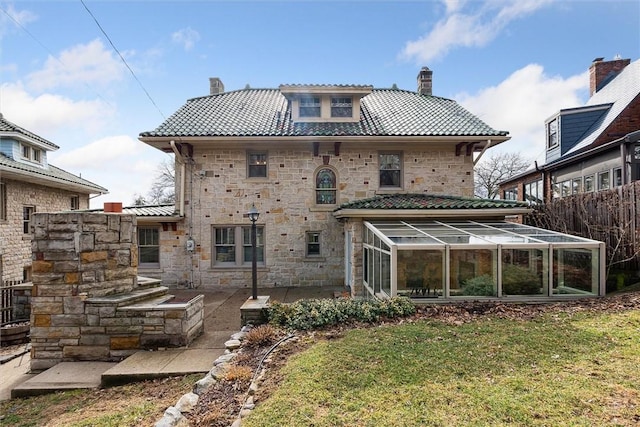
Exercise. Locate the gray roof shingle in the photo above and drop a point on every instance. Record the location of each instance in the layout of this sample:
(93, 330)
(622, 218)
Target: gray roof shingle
(7, 127)
(266, 112)
(51, 174)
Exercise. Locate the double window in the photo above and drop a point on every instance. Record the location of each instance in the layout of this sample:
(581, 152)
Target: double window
(511, 194)
(390, 168)
(533, 192)
(148, 246)
(32, 154)
(257, 164)
(232, 245)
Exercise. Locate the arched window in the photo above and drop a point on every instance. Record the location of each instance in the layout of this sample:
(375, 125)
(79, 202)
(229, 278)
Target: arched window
(326, 187)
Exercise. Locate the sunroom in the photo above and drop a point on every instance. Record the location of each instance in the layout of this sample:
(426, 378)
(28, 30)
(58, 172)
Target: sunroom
(439, 260)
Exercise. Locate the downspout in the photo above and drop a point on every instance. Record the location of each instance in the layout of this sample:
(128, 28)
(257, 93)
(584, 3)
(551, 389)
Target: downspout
(486, 147)
(180, 160)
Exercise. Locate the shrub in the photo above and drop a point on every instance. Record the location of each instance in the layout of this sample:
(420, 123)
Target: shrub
(262, 335)
(518, 280)
(318, 313)
(238, 373)
(479, 286)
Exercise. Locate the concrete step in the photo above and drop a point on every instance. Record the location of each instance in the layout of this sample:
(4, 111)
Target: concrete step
(129, 298)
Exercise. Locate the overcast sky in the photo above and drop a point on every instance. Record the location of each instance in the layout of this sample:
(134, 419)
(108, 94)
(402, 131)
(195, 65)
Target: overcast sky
(513, 63)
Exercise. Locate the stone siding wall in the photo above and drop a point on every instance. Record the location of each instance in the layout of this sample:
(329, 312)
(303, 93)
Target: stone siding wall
(15, 250)
(76, 256)
(218, 193)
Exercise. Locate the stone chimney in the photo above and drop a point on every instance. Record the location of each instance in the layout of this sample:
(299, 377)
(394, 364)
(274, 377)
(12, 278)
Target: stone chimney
(425, 81)
(602, 72)
(215, 86)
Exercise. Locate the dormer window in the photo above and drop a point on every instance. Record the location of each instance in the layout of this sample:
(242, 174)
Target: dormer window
(309, 106)
(341, 107)
(552, 133)
(32, 154)
(325, 103)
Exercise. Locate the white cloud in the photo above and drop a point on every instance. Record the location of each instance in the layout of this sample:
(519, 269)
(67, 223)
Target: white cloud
(49, 113)
(120, 163)
(187, 37)
(16, 18)
(467, 25)
(521, 104)
(90, 64)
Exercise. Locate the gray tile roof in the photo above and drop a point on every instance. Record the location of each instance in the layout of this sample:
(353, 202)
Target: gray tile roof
(429, 201)
(7, 127)
(266, 112)
(51, 176)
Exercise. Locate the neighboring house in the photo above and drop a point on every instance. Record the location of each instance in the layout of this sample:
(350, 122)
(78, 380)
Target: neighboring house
(354, 185)
(590, 148)
(29, 184)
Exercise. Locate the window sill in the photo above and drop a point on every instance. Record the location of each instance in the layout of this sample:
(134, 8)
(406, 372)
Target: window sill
(27, 237)
(257, 179)
(237, 268)
(314, 259)
(389, 190)
(321, 208)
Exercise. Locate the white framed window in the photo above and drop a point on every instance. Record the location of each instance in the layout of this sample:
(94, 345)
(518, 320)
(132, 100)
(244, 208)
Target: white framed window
(32, 154)
(309, 106)
(576, 185)
(3, 201)
(27, 216)
(617, 177)
(390, 168)
(552, 133)
(603, 181)
(232, 245)
(588, 184)
(312, 239)
(149, 246)
(257, 164)
(565, 188)
(533, 192)
(75, 203)
(341, 106)
(326, 181)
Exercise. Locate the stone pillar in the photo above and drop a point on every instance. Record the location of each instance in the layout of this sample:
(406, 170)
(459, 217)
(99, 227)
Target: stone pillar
(77, 256)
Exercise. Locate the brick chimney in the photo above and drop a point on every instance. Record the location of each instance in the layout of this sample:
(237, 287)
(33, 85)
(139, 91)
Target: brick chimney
(215, 86)
(602, 72)
(425, 81)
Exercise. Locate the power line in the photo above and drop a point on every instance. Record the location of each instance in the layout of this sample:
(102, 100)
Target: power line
(124, 61)
(55, 58)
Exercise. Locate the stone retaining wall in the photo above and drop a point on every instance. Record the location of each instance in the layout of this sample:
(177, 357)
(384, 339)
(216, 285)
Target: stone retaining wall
(87, 303)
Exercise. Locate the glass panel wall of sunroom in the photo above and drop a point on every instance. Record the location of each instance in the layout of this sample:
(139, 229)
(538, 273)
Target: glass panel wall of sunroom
(469, 259)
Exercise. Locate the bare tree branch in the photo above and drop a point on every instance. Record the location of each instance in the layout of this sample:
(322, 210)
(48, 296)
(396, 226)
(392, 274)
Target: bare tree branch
(496, 168)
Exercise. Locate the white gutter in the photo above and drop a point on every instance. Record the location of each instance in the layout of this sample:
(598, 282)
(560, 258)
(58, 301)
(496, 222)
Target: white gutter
(486, 147)
(180, 160)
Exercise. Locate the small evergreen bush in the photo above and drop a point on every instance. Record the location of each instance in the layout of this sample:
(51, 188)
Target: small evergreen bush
(319, 313)
(479, 286)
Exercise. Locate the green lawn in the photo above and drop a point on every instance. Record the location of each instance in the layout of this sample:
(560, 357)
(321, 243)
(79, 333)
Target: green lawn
(559, 370)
